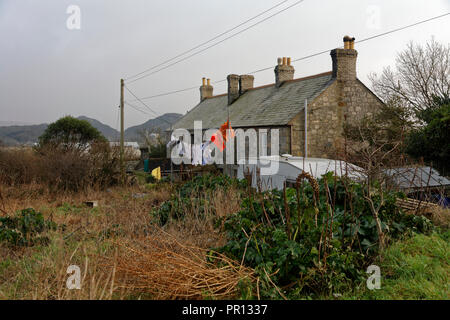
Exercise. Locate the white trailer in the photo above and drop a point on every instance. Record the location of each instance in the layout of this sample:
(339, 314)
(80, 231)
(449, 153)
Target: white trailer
(273, 172)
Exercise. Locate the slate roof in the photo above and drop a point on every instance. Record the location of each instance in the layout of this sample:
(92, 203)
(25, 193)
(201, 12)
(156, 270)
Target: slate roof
(416, 177)
(260, 106)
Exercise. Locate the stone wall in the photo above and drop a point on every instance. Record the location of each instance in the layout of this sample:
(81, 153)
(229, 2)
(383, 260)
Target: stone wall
(284, 141)
(341, 101)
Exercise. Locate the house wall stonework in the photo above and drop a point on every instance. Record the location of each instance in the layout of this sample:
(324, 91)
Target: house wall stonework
(284, 145)
(342, 101)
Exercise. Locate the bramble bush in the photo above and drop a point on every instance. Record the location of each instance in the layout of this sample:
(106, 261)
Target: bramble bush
(25, 229)
(312, 243)
(194, 194)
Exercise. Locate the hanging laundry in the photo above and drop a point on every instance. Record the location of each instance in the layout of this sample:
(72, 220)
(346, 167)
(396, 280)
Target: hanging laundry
(176, 144)
(196, 154)
(220, 137)
(185, 150)
(207, 148)
(173, 141)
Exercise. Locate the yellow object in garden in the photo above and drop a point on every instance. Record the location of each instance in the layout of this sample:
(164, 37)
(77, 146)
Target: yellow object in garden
(157, 173)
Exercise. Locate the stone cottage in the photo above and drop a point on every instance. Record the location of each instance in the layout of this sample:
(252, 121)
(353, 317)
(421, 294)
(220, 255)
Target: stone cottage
(330, 98)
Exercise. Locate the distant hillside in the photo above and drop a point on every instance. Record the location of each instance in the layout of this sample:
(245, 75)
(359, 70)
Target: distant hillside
(160, 123)
(29, 134)
(16, 123)
(108, 132)
(18, 135)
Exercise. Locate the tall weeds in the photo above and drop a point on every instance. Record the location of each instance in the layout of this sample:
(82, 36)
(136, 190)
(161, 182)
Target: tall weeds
(60, 170)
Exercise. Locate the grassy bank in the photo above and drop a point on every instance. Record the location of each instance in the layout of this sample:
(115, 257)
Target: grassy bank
(414, 268)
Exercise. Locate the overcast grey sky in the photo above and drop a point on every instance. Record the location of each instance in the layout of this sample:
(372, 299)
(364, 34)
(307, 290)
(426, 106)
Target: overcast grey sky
(48, 71)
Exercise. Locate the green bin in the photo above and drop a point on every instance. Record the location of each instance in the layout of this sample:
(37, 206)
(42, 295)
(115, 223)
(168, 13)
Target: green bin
(146, 165)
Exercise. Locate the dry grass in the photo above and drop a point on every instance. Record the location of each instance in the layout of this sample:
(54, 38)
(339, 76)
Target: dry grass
(120, 253)
(40, 272)
(438, 215)
(200, 231)
(441, 217)
(165, 268)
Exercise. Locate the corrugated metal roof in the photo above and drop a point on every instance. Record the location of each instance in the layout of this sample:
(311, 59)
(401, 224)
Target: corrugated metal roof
(263, 106)
(416, 177)
(319, 166)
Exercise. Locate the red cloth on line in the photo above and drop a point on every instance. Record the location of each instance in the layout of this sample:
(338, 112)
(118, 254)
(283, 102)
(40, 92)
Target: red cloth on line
(220, 137)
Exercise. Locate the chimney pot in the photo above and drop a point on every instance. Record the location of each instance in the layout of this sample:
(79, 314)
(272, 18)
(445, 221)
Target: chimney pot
(347, 40)
(289, 61)
(208, 81)
(206, 90)
(283, 72)
(279, 61)
(352, 44)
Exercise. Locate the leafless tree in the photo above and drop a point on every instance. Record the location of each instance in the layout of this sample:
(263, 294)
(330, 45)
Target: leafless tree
(149, 137)
(155, 141)
(370, 146)
(376, 142)
(421, 73)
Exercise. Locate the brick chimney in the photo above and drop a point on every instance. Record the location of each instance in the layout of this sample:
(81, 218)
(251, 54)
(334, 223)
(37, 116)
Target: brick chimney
(245, 83)
(233, 88)
(206, 90)
(283, 71)
(344, 61)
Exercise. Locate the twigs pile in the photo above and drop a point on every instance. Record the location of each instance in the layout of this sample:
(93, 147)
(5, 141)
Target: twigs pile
(164, 268)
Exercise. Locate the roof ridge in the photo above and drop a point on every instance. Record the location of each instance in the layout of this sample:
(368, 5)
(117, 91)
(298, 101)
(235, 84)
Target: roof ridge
(272, 84)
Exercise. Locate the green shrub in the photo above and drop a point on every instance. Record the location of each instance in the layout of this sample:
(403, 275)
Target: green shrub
(25, 229)
(150, 179)
(313, 247)
(195, 193)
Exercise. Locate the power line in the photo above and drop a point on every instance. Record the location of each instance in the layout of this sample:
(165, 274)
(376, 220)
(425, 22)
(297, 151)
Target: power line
(304, 57)
(137, 98)
(402, 28)
(359, 41)
(170, 92)
(203, 43)
(217, 43)
(136, 108)
(143, 103)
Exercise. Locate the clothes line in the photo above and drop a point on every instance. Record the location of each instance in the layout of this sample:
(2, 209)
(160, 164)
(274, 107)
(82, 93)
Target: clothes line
(200, 154)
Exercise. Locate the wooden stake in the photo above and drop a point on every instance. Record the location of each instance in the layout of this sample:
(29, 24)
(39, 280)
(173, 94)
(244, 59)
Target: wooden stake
(122, 162)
